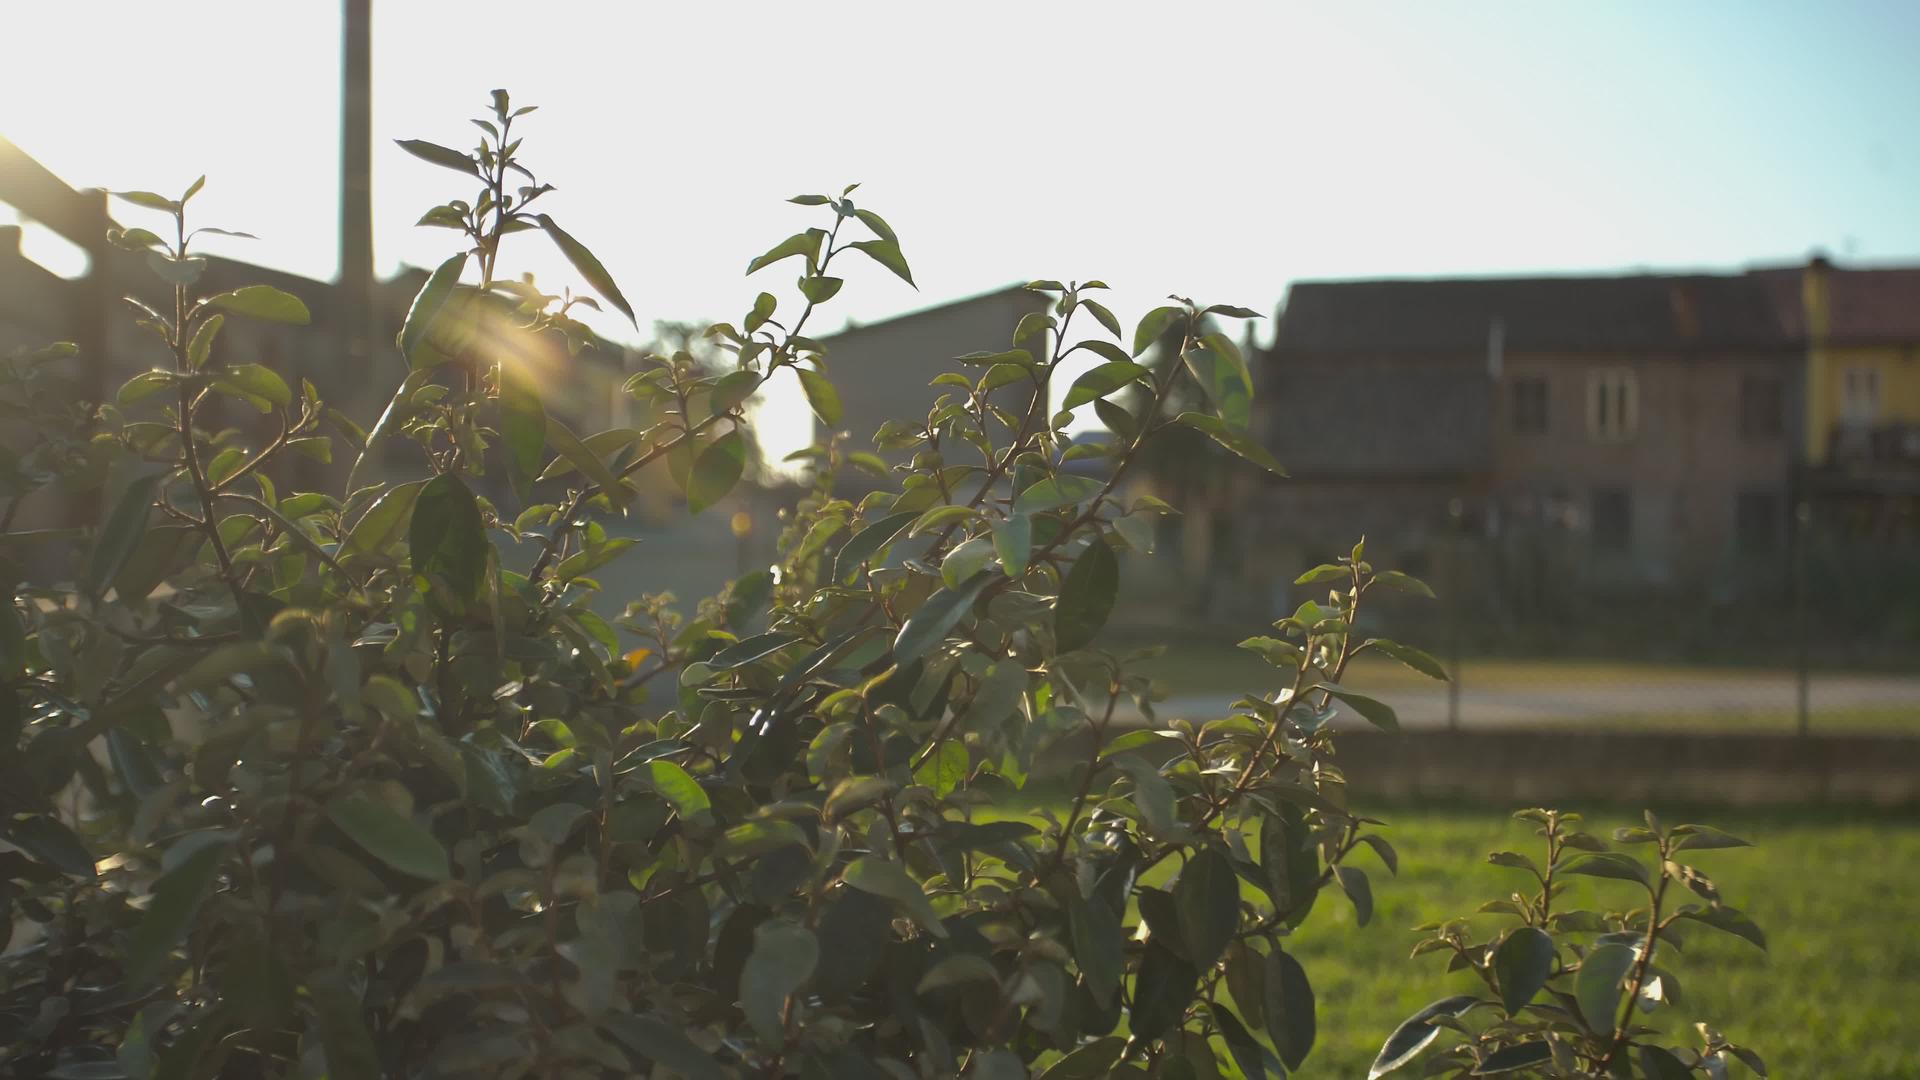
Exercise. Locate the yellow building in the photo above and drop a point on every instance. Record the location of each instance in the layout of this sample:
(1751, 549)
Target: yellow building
(1862, 390)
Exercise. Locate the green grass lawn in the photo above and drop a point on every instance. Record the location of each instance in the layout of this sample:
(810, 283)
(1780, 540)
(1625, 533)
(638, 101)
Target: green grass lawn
(1835, 995)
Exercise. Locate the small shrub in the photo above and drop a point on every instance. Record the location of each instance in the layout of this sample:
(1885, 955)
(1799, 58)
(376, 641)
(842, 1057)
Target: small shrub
(356, 783)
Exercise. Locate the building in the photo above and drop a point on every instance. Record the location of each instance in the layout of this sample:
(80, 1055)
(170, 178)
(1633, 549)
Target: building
(1860, 329)
(883, 369)
(1641, 424)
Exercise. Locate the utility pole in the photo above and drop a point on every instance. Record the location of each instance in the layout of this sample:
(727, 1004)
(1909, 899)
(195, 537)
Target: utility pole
(356, 186)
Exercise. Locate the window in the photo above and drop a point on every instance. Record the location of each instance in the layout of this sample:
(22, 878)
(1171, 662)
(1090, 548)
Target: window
(1613, 404)
(1528, 405)
(1612, 519)
(1860, 395)
(1756, 522)
(1762, 411)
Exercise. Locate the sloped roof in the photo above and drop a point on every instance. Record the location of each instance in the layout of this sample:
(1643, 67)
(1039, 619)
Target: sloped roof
(1864, 305)
(1539, 313)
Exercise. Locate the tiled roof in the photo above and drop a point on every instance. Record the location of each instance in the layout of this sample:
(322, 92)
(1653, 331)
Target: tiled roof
(1864, 305)
(1542, 313)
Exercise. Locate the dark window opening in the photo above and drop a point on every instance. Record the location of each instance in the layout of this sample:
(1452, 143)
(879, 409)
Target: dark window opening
(1612, 519)
(1529, 406)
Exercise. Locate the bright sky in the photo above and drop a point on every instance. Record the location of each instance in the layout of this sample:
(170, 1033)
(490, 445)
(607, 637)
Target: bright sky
(1217, 150)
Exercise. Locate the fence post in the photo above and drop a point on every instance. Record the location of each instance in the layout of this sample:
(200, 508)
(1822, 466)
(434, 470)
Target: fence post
(1802, 517)
(1456, 512)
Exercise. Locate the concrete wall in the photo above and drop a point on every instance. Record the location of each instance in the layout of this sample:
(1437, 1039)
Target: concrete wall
(1568, 768)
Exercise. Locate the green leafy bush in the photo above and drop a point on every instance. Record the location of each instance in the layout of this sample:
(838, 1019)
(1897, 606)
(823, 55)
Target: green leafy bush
(358, 784)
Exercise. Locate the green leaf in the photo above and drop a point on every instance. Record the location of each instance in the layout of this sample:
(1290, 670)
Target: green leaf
(147, 200)
(1237, 442)
(202, 345)
(1399, 582)
(586, 458)
(1013, 543)
(958, 969)
(866, 543)
(763, 309)
(1731, 920)
(1353, 882)
(1247, 1054)
(806, 244)
(716, 470)
(1375, 712)
(1166, 985)
(1245, 973)
(887, 254)
(679, 788)
(389, 837)
(1088, 1061)
(875, 222)
(965, 560)
(1705, 837)
(256, 380)
(349, 1046)
(1231, 311)
(1207, 898)
(1522, 963)
(889, 881)
(47, 839)
(1099, 311)
(523, 425)
(1019, 358)
(819, 290)
(1323, 573)
(929, 623)
(263, 302)
(1414, 658)
(588, 266)
(116, 540)
(443, 156)
(1416, 1032)
(427, 306)
(1223, 376)
(1289, 860)
(1514, 1058)
(1086, 597)
(1053, 492)
(1610, 864)
(143, 386)
(945, 769)
(1289, 1008)
(385, 521)
(162, 551)
(783, 958)
(664, 1044)
(447, 537)
(1030, 324)
(1098, 945)
(1152, 796)
(1152, 325)
(398, 411)
(821, 396)
(1660, 1064)
(1596, 987)
(1100, 381)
